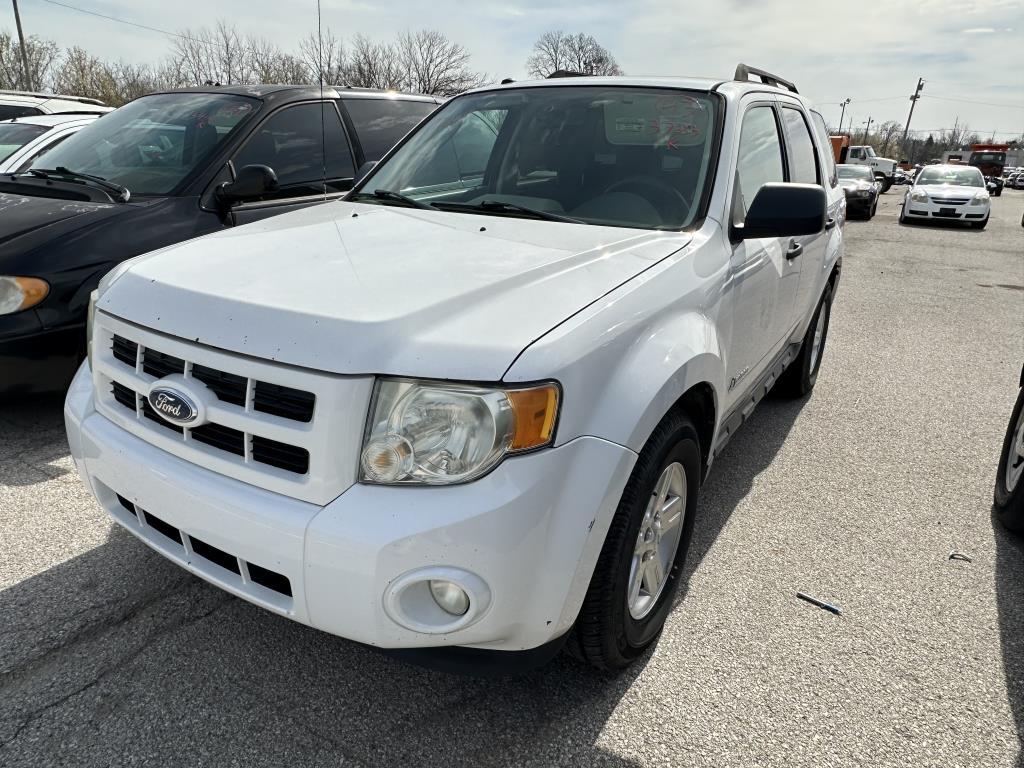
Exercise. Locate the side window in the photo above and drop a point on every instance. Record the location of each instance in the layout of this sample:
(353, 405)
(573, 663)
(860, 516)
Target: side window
(380, 123)
(9, 111)
(760, 155)
(857, 154)
(826, 148)
(803, 162)
(28, 163)
(293, 141)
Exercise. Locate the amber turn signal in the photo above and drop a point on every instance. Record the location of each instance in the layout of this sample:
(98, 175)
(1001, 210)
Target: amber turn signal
(535, 410)
(18, 293)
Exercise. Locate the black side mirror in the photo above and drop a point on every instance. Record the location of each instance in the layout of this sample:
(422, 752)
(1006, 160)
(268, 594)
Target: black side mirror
(364, 169)
(785, 210)
(252, 181)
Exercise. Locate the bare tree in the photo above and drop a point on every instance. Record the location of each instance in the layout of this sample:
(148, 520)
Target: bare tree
(885, 134)
(434, 64)
(374, 65)
(556, 51)
(266, 63)
(42, 55)
(217, 55)
(325, 55)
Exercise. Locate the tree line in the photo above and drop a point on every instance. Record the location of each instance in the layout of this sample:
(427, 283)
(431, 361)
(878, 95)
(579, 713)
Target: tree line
(887, 141)
(425, 61)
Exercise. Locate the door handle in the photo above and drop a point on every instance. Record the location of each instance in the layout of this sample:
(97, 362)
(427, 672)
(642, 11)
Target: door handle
(830, 223)
(794, 250)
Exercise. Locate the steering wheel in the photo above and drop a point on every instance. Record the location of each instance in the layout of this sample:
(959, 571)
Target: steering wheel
(676, 207)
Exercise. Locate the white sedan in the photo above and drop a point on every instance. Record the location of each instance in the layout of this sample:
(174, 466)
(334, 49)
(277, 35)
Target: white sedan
(25, 139)
(948, 193)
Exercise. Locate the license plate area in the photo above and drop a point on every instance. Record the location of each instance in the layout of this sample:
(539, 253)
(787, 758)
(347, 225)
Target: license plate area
(947, 211)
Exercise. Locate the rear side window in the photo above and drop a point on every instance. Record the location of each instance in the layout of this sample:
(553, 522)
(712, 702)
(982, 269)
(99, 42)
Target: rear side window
(803, 166)
(380, 123)
(760, 155)
(14, 136)
(292, 142)
(826, 147)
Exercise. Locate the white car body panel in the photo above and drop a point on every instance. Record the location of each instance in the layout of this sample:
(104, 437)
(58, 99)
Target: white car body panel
(61, 126)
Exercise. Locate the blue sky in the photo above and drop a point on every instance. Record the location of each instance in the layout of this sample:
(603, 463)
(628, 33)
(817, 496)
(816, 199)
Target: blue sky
(969, 53)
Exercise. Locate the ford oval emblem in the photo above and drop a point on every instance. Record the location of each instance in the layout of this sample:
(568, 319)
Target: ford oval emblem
(173, 406)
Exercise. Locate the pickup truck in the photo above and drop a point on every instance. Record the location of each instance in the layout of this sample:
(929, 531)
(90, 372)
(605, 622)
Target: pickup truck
(883, 168)
(464, 415)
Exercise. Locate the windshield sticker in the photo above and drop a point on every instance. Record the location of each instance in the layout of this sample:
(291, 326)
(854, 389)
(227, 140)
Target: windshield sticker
(665, 121)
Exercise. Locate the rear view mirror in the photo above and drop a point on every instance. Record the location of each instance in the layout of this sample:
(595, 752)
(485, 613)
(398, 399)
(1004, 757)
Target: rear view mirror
(785, 210)
(252, 181)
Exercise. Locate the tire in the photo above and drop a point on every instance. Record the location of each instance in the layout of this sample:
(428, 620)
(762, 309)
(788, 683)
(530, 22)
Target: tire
(606, 634)
(903, 213)
(979, 224)
(799, 378)
(886, 184)
(873, 210)
(1009, 502)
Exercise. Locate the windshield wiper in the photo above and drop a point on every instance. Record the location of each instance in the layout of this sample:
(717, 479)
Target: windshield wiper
(499, 206)
(120, 193)
(394, 197)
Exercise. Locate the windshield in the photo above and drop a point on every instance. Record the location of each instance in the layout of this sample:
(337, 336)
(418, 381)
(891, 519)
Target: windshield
(964, 177)
(870, 151)
(619, 156)
(14, 136)
(153, 143)
(861, 172)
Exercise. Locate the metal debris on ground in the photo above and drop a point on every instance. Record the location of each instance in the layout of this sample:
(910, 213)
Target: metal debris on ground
(954, 555)
(820, 603)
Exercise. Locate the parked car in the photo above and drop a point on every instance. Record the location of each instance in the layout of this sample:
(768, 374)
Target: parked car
(901, 177)
(1018, 180)
(1009, 494)
(23, 140)
(25, 104)
(948, 193)
(861, 189)
(162, 169)
(883, 168)
(994, 185)
(467, 412)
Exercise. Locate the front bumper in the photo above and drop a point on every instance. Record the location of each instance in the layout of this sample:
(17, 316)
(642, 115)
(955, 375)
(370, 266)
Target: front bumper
(34, 360)
(530, 531)
(944, 211)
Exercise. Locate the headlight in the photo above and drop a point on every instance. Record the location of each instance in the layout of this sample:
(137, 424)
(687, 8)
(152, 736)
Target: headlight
(918, 196)
(434, 433)
(18, 293)
(862, 193)
(980, 199)
(90, 318)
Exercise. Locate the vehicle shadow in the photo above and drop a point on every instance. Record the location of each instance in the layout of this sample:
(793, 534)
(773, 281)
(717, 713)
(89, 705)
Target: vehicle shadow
(1009, 585)
(733, 473)
(33, 445)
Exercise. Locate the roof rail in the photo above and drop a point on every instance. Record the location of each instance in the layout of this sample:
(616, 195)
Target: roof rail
(564, 73)
(80, 99)
(743, 73)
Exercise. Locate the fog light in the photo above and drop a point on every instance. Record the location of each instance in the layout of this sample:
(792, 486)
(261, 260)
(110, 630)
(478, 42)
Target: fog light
(450, 597)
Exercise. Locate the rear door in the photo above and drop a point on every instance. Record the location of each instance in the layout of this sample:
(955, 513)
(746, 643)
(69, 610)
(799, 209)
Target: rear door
(378, 124)
(309, 150)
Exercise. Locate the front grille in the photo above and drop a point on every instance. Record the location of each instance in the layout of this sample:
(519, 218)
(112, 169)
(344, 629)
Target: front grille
(950, 200)
(231, 388)
(264, 577)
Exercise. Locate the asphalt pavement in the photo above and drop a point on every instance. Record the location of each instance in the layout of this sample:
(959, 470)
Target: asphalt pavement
(112, 656)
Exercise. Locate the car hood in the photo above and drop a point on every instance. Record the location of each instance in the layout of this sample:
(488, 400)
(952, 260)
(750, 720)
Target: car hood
(22, 215)
(354, 288)
(854, 184)
(948, 190)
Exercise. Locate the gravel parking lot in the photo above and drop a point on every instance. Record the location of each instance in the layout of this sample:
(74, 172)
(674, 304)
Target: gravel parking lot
(110, 655)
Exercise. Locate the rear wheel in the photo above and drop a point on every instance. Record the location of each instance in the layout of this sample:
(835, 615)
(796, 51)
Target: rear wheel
(801, 375)
(637, 573)
(886, 183)
(1009, 495)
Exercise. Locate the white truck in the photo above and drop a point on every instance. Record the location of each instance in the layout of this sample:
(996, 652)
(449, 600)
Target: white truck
(883, 168)
(465, 414)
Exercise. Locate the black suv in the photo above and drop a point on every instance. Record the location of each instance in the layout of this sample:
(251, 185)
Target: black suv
(165, 168)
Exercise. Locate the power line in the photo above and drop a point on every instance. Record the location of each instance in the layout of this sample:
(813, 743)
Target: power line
(129, 23)
(973, 101)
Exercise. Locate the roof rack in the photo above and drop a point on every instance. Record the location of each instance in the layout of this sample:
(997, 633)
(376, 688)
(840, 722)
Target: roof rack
(743, 73)
(564, 73)
(48, 96)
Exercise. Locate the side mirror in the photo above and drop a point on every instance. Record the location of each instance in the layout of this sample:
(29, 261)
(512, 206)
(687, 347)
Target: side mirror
(364, 169)
(252, 181)
(785, 210)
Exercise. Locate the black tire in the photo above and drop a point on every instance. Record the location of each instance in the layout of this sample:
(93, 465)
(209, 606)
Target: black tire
(979, 224)
(886, 184)
(873, 210)
(605, 634)
(1010, 504)
(903, 213)
(801, 375)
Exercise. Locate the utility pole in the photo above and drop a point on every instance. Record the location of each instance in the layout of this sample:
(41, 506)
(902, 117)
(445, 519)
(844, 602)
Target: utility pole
(867, 130)
(913, 102)
(842, 114)
(24, 54)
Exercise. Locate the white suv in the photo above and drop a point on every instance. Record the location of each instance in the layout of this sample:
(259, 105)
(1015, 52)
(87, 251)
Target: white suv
(25, 103)
(466, 413)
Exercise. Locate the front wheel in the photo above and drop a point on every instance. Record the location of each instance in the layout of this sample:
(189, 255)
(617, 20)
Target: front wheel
(1009, 495)
(886, 184)
(638, 570)
(802, 374)
(980, 224)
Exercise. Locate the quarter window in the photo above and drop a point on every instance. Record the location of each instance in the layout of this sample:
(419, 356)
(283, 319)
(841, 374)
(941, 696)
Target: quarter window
(760, 155)
(380, 123)
(803, 166)
(302, 150)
